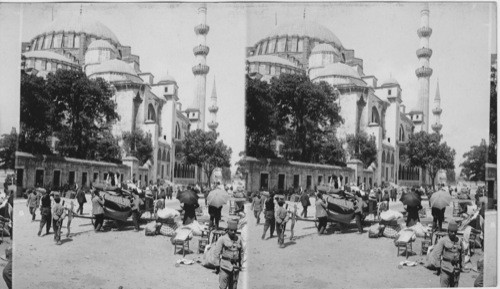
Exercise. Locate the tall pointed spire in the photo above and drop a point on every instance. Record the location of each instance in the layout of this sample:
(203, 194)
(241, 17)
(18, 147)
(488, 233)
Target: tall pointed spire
(213, 124)
(437, 126)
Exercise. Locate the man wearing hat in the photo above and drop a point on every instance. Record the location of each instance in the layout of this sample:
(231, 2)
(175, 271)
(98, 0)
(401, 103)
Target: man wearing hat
(228, 252)
(449, 250)
(281, 217)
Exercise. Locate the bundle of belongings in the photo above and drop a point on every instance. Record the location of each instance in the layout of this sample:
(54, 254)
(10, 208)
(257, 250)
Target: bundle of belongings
(393, 222)
(340, 209)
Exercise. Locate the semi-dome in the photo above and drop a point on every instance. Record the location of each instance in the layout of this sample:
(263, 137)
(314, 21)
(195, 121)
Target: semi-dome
(115, 66)
(323, 47)
(166, 79)
(80, 24)
(389, 82)
(271, 59)
(305, 28)
(48, 55)
(338, 69)
(101, 44)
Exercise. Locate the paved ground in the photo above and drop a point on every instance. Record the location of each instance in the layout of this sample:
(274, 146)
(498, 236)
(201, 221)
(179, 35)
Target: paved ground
(103, 260)
(335, 260)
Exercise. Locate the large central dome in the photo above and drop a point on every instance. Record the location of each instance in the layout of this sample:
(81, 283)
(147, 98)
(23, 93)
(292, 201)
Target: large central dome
(305, 28)
(81, 24)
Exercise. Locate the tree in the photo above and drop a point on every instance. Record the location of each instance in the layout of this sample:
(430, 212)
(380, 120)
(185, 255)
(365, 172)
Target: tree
(473, 167)
(139, 145)
(226, 174)
(8, 147)
(202, 149)
(259, 119)
(451, 176)
(83, 108)
(362, 147)
(303, 110)
(426, 151)
(106, 148)
(329, 150)
(35, 115)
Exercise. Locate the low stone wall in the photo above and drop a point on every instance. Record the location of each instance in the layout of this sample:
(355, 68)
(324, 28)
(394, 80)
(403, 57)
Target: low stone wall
(283, 174)
(54, 171)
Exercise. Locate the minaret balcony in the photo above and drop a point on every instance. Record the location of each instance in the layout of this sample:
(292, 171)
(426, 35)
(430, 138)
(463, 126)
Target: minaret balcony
(424, 52)
(437, 127)
(201, 50)
(213, 125)
(424, 31)
(201, 29)
(213, 108)
(200, 69)
(437, 110)
(423, 71)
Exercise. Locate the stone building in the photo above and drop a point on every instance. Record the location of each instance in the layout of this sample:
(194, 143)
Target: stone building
(143, 101)
(280, 174)
(53, 171)
(367, 105)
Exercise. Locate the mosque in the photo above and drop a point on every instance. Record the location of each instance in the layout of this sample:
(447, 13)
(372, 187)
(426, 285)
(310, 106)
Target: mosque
(143, 101)
(375, 107)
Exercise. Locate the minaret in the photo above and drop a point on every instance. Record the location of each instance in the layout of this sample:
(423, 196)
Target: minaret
(424, 72)
(213, 108)
(196, 112)
(436, 127)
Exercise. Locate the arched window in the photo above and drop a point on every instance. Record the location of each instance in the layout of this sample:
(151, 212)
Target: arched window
(164, 156)
(383, 157)
(151, 112)
(159, 155)
(168, 156)
(375, 115)
(401, 133)
(392, 158)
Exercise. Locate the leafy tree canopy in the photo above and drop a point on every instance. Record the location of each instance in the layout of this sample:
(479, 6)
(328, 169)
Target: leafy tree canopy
(139, 145)
(82, 109)
(303, 110)
(260, 119)
(426, 151)
(8, 146)
(473, 168)
(362, 147)
(35, 115)
(202, 149)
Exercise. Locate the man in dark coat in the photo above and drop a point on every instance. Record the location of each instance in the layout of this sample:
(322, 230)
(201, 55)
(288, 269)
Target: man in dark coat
(304, 200)
(81, 199)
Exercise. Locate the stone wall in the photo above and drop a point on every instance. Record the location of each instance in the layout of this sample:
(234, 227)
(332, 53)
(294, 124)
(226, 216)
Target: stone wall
(297, 173)
(56, 171)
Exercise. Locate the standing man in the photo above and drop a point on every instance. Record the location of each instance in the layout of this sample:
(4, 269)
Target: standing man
(304, 200)
(81, 199)
(136, 213)
(269, 216)
(98, 211)
(31, 203)
(358, 213)
(449, 251)
(257, 205)
(228, 252)
(321, 214)
(281, 217)
(58, 215)
(45, 211)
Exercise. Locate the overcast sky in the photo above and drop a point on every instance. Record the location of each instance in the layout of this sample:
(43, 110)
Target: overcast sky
(382, 34)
